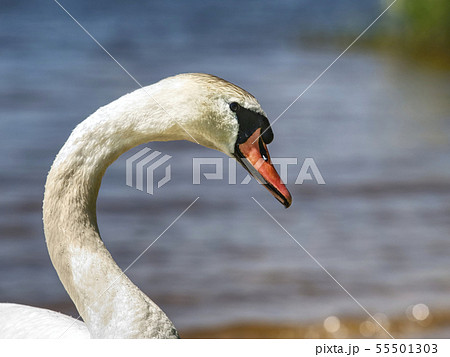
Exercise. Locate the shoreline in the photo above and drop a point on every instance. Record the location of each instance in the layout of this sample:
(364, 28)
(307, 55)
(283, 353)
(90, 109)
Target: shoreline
(435, 325)
(351, 329)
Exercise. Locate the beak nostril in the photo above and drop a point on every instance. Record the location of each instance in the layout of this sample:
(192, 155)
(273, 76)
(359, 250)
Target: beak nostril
(263, 151)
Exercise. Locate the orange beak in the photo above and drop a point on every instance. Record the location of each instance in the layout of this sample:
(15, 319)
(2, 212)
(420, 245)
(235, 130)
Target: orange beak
(253, 155)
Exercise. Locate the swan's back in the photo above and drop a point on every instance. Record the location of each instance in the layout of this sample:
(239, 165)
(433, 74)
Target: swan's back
(20, 321)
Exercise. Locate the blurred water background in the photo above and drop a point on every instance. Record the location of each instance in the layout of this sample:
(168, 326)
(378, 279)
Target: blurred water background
(377, 125)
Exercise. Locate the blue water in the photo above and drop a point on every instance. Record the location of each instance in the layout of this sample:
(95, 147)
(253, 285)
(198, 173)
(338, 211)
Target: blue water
(378, 128)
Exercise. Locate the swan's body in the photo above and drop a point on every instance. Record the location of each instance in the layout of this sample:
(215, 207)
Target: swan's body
(196, 108)
(21, 321)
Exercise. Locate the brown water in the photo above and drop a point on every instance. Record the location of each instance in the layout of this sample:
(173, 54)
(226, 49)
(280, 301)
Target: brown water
(377, 127)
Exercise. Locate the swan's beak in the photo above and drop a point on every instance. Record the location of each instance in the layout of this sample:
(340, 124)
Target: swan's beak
(253, 155)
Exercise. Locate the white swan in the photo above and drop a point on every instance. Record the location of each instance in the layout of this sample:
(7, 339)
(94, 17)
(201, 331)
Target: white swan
(217, 114)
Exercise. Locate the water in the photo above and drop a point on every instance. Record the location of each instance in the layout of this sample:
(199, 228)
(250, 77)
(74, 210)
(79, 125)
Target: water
(377, 127)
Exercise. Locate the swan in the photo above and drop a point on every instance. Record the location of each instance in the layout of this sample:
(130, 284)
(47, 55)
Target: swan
(197, 107)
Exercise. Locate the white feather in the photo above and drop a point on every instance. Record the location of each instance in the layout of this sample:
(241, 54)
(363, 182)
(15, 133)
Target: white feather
(20, 321)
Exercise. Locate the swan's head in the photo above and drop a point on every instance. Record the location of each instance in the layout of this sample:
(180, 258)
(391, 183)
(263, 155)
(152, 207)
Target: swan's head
(229, 119)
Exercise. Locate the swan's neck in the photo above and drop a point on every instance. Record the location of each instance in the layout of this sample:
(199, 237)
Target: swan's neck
(110, 304)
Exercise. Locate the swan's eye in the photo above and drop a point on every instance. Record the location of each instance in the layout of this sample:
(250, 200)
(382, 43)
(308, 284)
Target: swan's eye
(234, 106)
